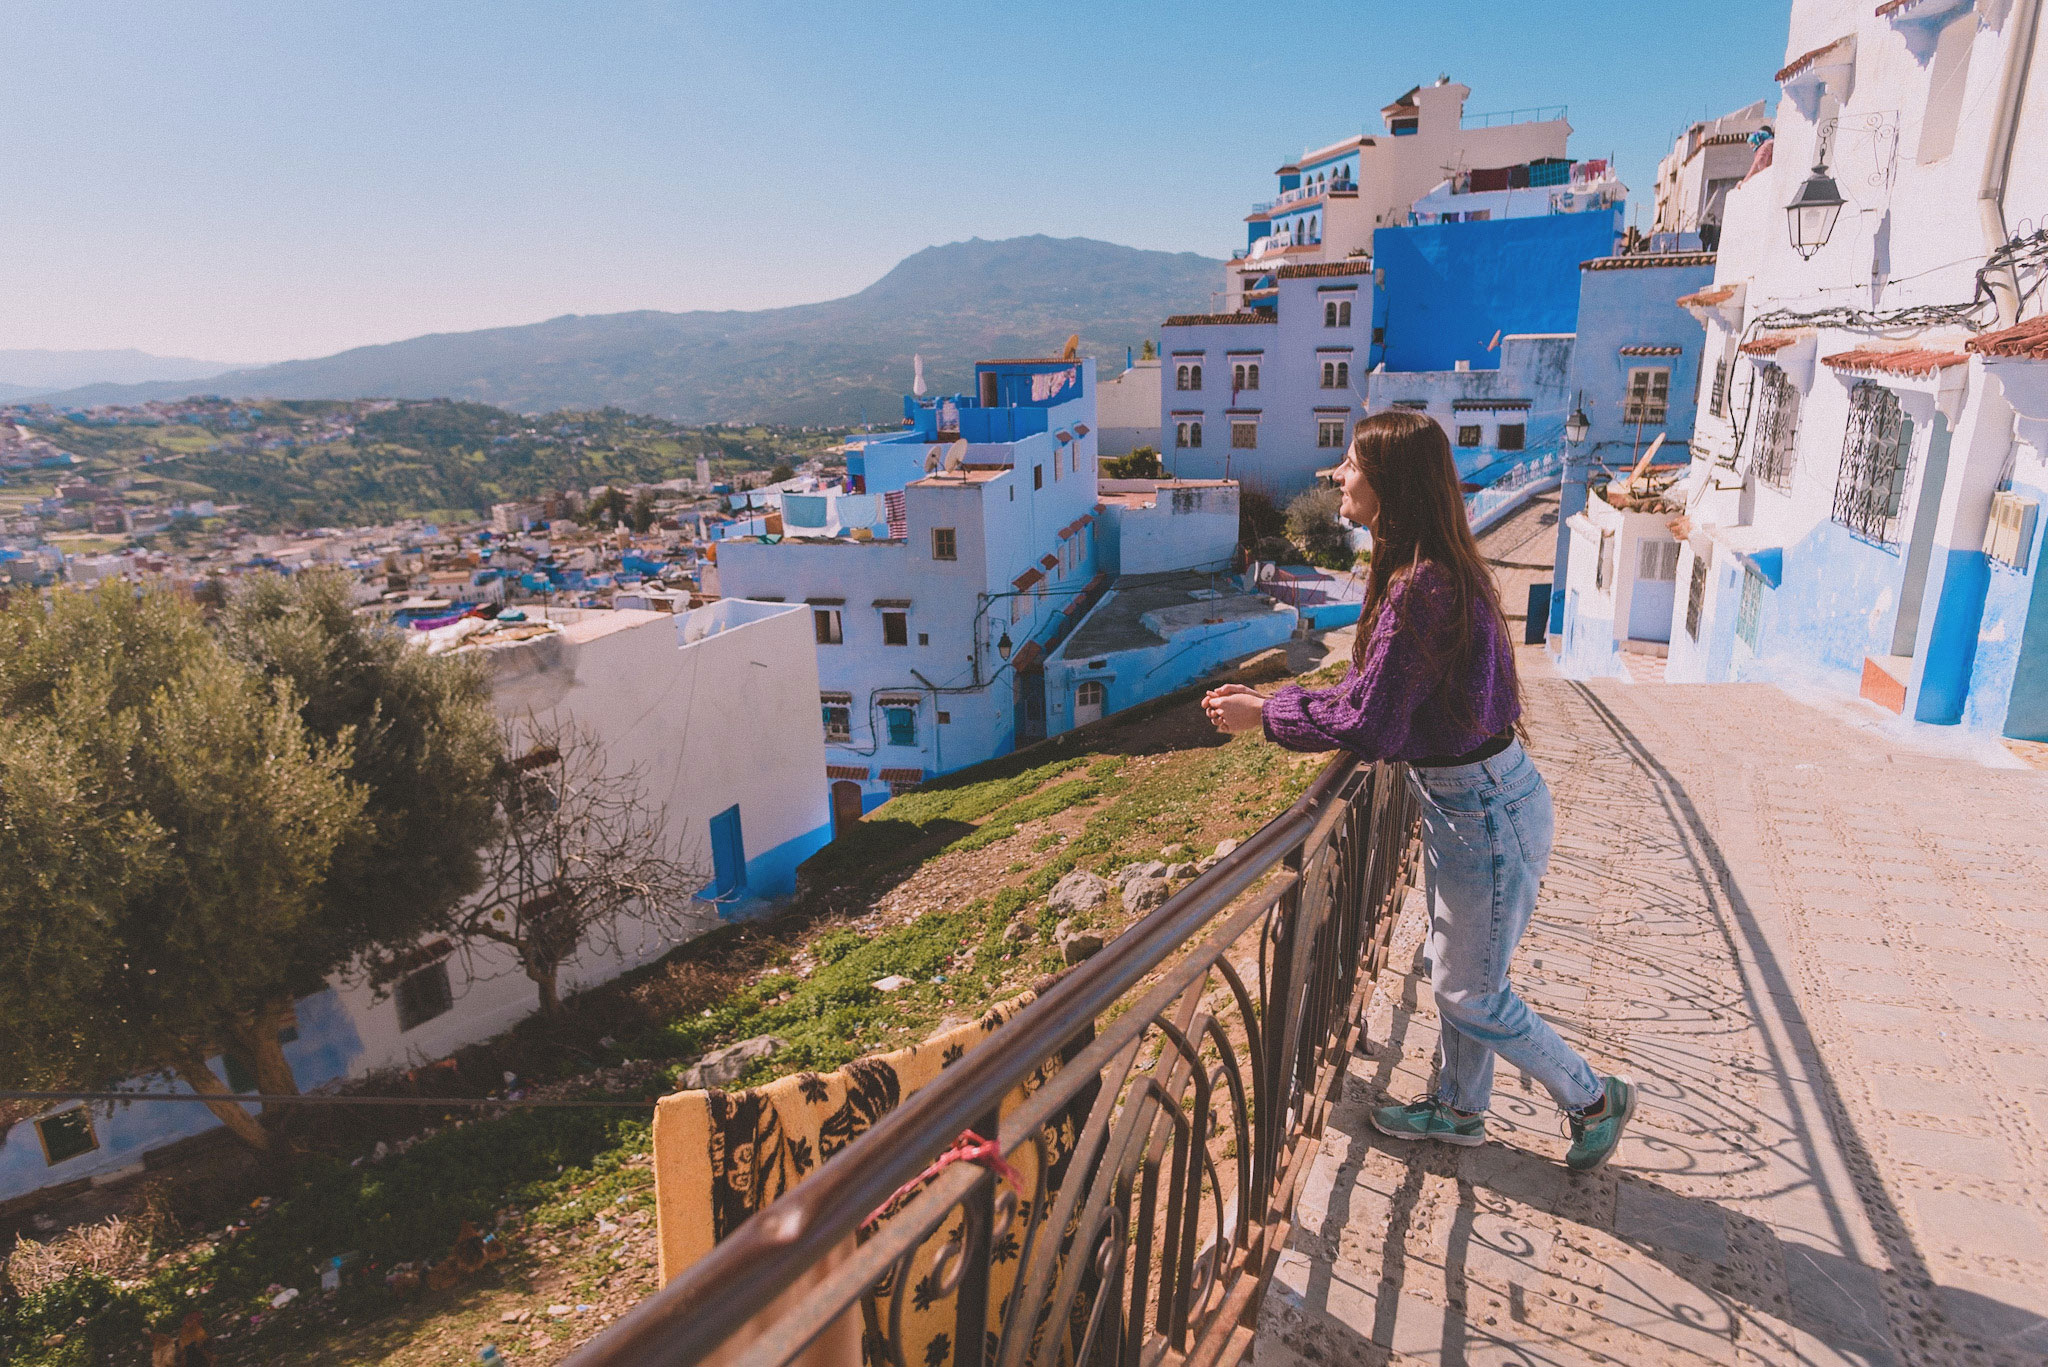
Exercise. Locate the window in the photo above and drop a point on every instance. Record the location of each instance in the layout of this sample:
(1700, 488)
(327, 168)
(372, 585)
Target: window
(1336, 374)
(1657, 560)
(1329, 432)
(1603, 567)
(1875, 455)
(2009, 534)
(1649, 393)
(1413, 405)
(1244, 436)
(1750, 609)
(902, 725)
(1696, 595)
(1379, 336)
(924, 638)
(424, 995)
(1089, 697)
(1468, 434)
(1336, 313)
(1717, 402)
(895, 628)
(1188, 377)
(826, 620)
(1038, 477)
(1511, 435)
(943, 545)
(66, 1134)
(838, 722)
(1777, 422)
(1244, 375)
(1187, 436)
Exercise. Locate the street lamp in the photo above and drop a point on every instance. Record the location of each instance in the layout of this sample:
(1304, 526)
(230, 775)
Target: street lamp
(1004, 646)
(1810, 217)
(1576, 426)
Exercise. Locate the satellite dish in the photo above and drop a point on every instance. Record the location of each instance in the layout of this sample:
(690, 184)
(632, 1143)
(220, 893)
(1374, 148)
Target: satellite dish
(931, 460)
(1073, 347)
(956, 455)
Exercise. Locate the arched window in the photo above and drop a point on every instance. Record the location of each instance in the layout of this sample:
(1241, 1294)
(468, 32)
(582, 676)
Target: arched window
(1329, 374)
(1237, 377)
(1180, 377)
(1194, 377)
(1329, 313)
(1089, 696)
(1343, 374)
(1313, 234)
(1252, 375)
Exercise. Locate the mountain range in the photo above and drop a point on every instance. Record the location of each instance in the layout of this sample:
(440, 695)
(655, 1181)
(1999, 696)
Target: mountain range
(840, 361)
(27, 372)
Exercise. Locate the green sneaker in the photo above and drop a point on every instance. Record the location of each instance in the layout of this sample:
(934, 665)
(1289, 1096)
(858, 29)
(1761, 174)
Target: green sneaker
(1428, 1118)
(1594, 1141)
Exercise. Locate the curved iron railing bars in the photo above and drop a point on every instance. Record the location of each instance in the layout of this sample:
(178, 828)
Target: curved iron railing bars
(1320, 886)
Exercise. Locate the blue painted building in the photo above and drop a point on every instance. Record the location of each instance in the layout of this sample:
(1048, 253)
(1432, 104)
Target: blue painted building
(1448, 291)
(1635, 376)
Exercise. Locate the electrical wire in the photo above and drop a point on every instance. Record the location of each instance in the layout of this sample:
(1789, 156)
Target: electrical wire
(268, 1099)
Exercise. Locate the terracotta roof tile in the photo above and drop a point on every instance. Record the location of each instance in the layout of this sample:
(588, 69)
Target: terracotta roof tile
(1196, 320)
(1807, 59)
(1770, 344)
(1653, 351)
(2029, 340)
(1027, 579)
(901, 776)
(1315, 269)
(1643, 261)
(852, 771)
(1707, 298)
(1048, 561)
(1911, 361)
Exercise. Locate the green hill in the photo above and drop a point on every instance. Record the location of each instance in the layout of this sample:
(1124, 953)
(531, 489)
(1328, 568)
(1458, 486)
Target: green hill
(823, 363)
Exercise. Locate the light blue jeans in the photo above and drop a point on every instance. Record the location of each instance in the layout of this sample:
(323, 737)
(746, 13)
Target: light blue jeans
(1486, 833)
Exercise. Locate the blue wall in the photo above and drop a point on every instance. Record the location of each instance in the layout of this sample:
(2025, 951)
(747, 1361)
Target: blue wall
(1450, 287)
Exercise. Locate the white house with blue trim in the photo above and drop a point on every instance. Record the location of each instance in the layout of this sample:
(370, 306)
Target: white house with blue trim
(941, 640)
(1862, 507)
(716, 709)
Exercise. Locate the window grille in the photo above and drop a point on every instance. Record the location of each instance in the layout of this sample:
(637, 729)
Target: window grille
(1717, 402)
(1244, 436)
(1875, 450)
(838, 723)
(1468, 434)
(1696, 596)
(1649, 395)
(1777, 421)
(1329, 432)
(1657, 560)
(1750, 609)
(1188, 436)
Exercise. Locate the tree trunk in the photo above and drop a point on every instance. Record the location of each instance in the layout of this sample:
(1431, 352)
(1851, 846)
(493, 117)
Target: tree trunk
(255, 1034)
(544, 977)
(192, 1069)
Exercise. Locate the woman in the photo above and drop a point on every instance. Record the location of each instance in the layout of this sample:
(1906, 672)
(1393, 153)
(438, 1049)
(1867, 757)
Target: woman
(1432, 682)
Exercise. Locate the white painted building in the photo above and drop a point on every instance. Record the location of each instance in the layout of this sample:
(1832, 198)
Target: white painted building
(1127, 409)
(1331, 199)
(1863, 501)
(718, 710)
(1707, 161)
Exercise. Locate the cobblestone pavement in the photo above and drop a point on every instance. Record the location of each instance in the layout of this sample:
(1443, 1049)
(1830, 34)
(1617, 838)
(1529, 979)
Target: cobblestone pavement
(1825, 962)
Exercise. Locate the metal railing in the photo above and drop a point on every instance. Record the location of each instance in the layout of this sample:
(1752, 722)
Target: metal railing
(1537, 114)
(1178, 1083)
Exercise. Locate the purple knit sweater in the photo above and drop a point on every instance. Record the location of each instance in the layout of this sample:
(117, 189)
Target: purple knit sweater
(1392, 707)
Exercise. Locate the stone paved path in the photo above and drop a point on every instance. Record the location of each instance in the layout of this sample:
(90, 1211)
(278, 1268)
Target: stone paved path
(1825, 962)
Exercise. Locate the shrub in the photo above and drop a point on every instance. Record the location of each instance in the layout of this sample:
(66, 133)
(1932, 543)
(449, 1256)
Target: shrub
(1142, 463)
(1258, 516)
(1312, 525)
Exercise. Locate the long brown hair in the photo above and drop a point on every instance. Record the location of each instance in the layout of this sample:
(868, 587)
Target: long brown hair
(1406, 458)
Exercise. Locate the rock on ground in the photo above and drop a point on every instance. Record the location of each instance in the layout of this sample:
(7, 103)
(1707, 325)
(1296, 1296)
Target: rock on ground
(1078, 892)
(721, 1066)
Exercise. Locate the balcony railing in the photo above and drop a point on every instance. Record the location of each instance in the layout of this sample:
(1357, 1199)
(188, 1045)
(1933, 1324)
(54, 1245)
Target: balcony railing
(1174, 1089)
(1538, 114)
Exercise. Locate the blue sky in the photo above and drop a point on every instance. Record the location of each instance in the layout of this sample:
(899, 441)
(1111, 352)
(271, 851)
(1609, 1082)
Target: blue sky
(263, 180)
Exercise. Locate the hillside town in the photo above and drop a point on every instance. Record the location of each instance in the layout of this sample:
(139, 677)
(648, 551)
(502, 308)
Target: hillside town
(1778, 418)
